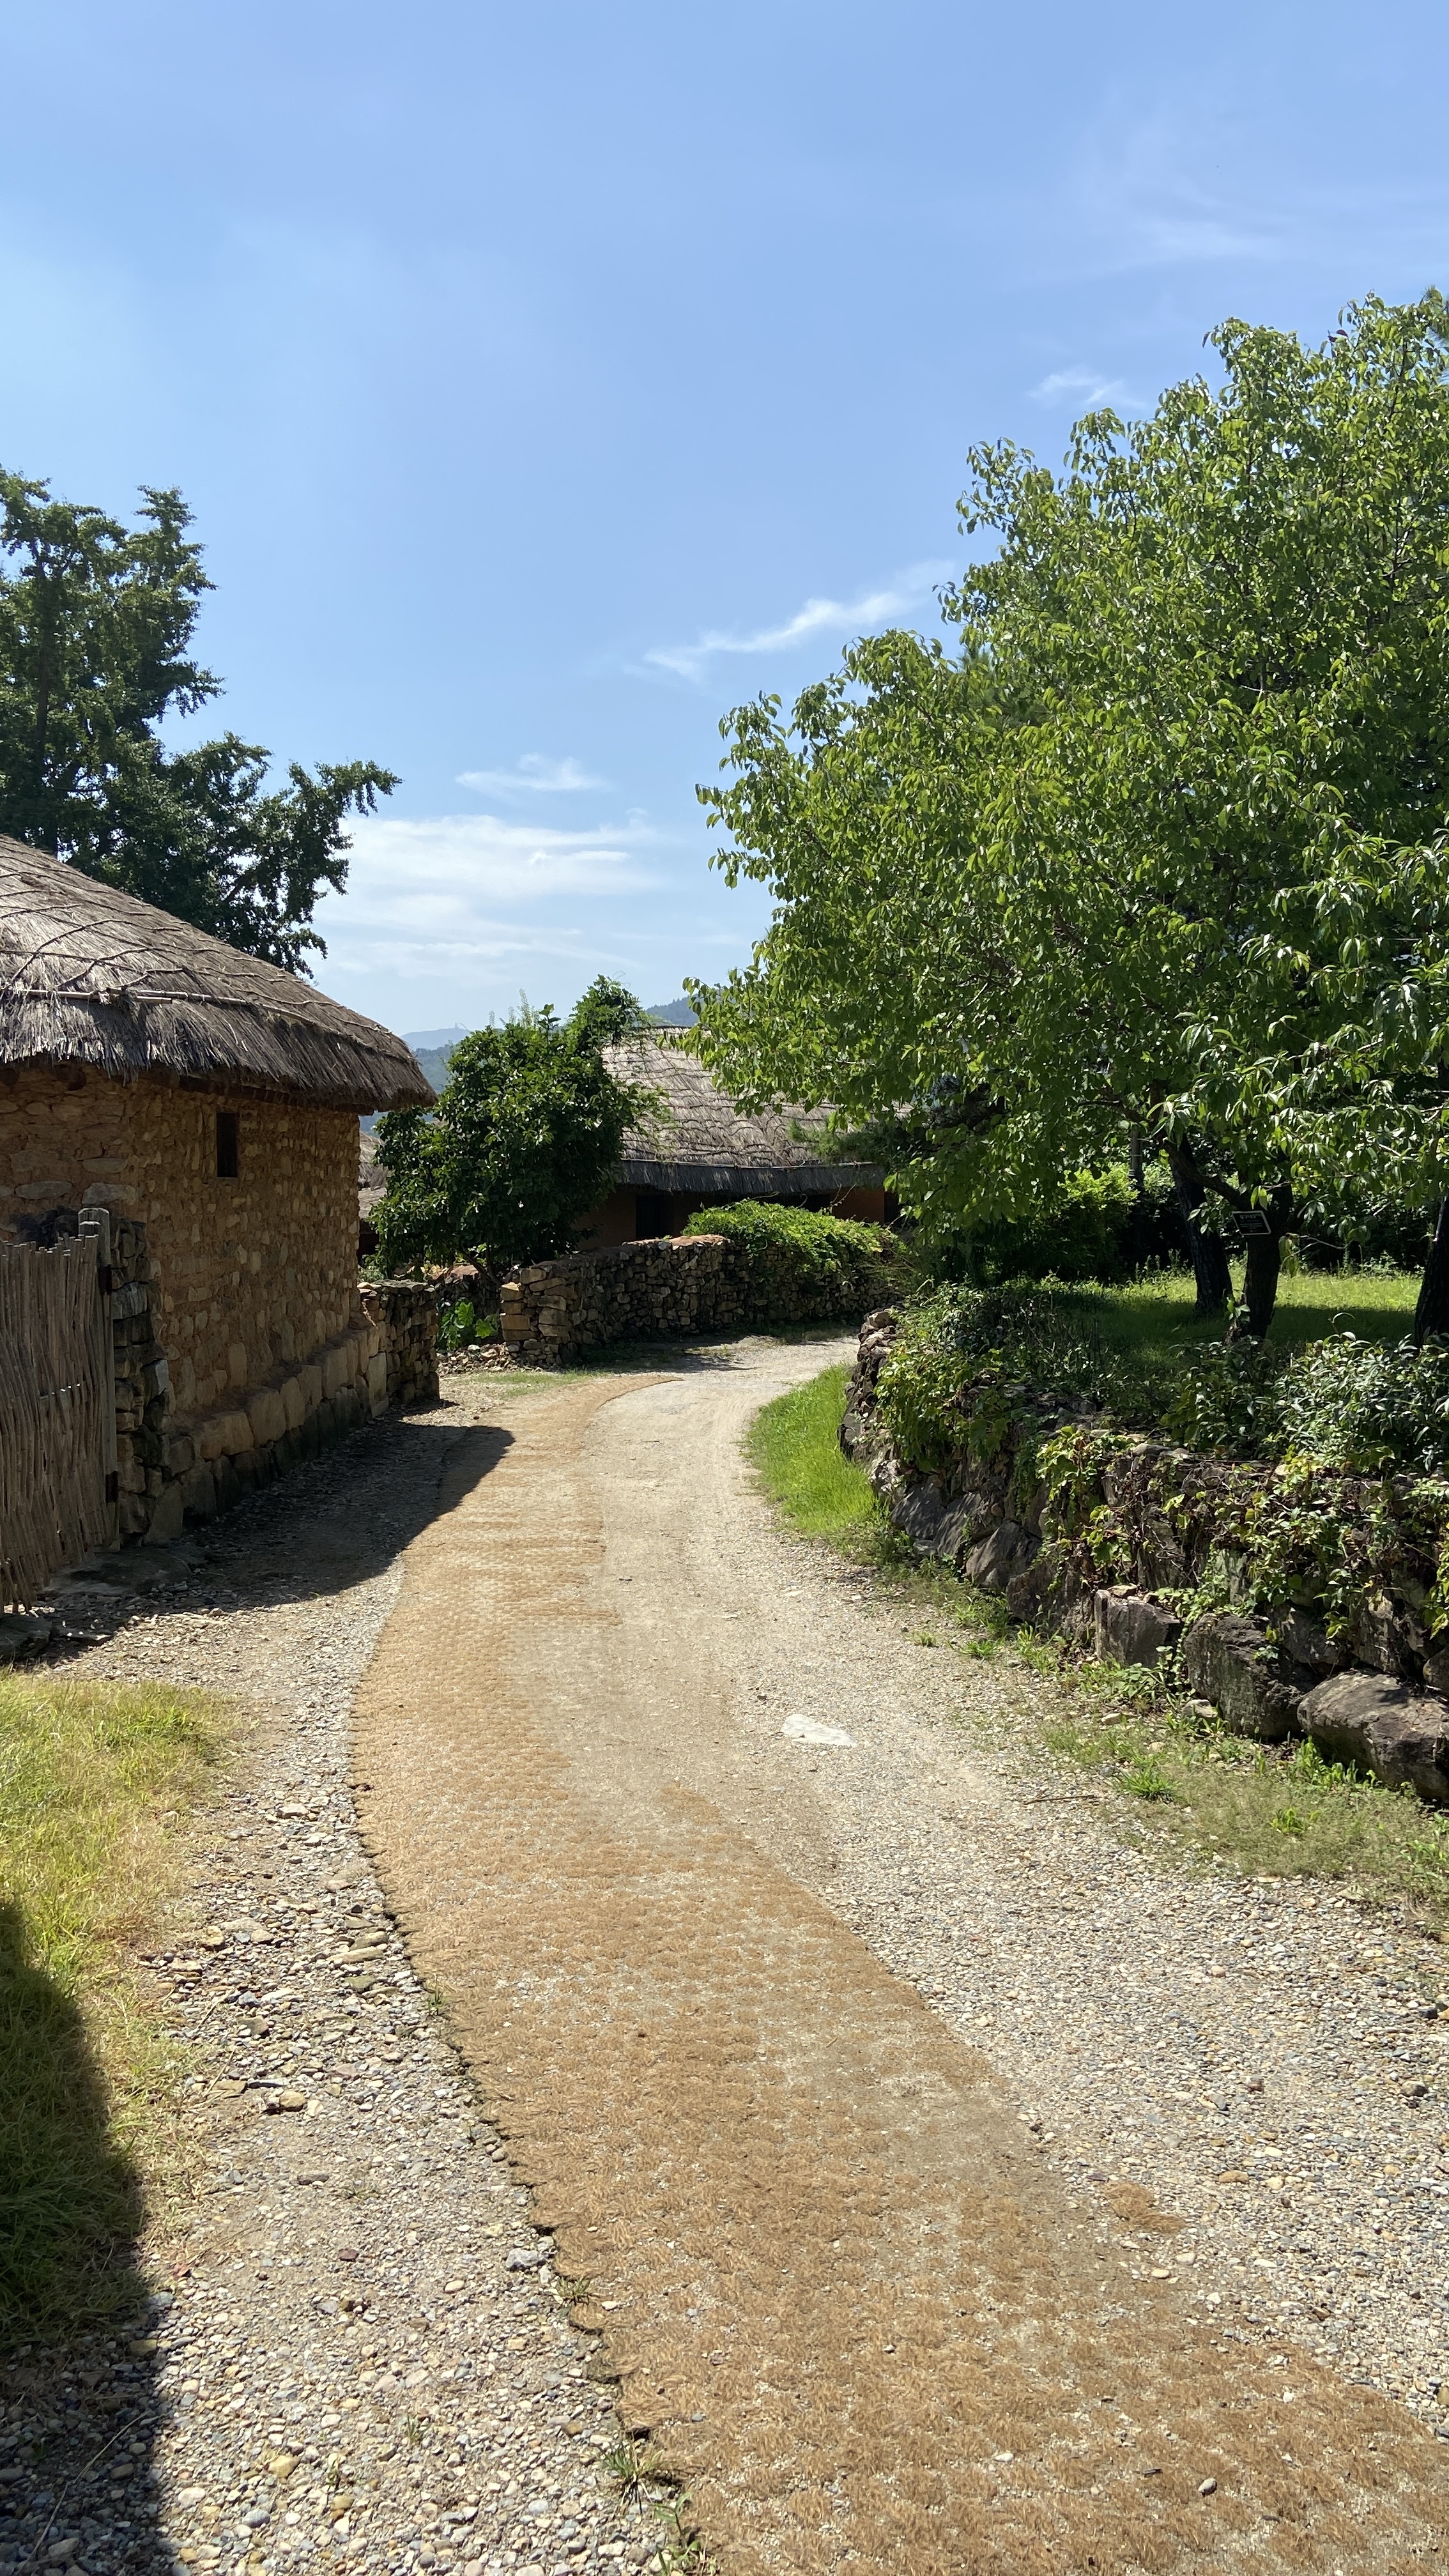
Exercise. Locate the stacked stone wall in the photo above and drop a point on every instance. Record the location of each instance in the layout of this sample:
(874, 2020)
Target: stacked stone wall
(252, 1274)
(665, 1288)
(1296, 1603)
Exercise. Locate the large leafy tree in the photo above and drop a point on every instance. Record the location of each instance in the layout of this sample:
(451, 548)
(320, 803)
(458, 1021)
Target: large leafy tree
(96, 624)
(525, 1137)
(1151, 854)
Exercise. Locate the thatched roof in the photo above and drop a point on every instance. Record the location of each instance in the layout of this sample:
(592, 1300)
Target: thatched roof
(89, 976)
(700, 1141)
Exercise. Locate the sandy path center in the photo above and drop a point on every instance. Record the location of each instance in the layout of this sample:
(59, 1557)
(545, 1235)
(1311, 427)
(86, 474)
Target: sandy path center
(860, 2317)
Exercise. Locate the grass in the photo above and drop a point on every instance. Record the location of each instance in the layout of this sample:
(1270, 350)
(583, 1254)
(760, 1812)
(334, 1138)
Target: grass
(96, 1781)
(1157, 1320)
(795, 1447)
(1180, 1783)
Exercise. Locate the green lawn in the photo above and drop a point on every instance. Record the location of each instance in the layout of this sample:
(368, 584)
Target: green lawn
(1158, 1319)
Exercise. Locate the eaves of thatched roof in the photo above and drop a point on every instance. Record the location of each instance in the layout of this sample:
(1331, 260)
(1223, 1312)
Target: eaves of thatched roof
(92, 977)
(697, 1140)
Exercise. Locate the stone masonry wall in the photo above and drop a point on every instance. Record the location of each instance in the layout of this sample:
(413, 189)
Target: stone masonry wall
(1297, 1602)
(666, 1287)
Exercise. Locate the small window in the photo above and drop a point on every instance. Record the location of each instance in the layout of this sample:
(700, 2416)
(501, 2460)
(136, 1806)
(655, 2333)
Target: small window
(227, 1124)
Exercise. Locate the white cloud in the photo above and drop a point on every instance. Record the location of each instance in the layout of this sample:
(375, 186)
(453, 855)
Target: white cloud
(1080, 386)
(423, 899)
(817, 617)
(533, 776)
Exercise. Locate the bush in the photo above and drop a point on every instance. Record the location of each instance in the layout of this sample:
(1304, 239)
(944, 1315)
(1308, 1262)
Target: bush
(804, 1264)
(964, 1355)
(964, 1358)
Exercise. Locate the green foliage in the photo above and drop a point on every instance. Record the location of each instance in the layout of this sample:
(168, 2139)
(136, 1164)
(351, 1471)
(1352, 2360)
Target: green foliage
(1159, 848)
(965, 1361)
(1359, 1404)
(804, 1263)
(1097, 1226)
(95, 632)
(522, 1142)
(461, 1325)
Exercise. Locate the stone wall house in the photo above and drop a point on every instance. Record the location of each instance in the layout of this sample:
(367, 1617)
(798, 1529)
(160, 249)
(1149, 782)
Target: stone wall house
(209, 1102)
(695, 1149)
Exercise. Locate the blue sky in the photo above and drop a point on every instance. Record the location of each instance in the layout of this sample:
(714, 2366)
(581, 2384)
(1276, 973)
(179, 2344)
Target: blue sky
(545, 380)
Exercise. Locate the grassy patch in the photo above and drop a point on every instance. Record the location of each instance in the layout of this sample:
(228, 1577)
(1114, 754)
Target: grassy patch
(1157, 1320)
(794, 1443)
(1277, 1812)
(95, 1781)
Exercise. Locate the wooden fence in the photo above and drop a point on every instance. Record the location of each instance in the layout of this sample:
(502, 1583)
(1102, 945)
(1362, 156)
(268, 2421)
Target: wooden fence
(57, 1411)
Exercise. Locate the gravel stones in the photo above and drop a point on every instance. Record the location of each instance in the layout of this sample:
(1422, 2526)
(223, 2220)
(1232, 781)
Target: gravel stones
(352, 2351)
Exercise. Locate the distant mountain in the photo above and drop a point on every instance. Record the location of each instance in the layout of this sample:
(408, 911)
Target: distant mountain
(435, 1060)
(429, 1039)
(670, 1015)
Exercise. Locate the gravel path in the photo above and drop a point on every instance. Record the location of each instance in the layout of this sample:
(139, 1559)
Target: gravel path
(354, 2354)
(359, 2351)
(599, 1729)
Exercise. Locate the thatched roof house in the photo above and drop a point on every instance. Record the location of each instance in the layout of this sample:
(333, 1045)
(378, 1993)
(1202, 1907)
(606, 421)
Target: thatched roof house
(698, 1150)
(208, 1103)
(92, 977)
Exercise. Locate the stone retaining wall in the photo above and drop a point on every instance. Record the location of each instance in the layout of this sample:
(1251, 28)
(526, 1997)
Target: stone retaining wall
(1297, 1602)
(666, 1288)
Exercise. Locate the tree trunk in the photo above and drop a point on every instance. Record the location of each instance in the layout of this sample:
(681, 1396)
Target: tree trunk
(1260, 1284)
(1431, 1315)
(1208, 1251)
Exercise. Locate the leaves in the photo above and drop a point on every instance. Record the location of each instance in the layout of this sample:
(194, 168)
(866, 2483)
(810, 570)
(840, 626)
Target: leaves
(96, 624)
(524, 1139)
(1159, 847)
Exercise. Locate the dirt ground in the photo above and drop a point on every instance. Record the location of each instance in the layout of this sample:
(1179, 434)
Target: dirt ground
(852, 2304)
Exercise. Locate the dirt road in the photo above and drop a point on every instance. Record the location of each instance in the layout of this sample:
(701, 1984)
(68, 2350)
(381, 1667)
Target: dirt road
(850, 2294)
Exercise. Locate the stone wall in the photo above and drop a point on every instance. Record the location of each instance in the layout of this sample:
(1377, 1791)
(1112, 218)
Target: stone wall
(665, 1288)
(1296, 1601)
(405, 1311)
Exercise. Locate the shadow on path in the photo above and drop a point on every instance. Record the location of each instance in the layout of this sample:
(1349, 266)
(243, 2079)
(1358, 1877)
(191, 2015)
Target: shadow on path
(78, 2397)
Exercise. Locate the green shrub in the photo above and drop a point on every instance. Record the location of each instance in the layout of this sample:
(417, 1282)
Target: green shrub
(804, 1264)
(965, 1358)
(1368, 1405)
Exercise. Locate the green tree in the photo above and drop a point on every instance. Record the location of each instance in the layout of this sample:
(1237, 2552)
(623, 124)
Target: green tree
(525, 1137)
(96, 622)
(1113, 868)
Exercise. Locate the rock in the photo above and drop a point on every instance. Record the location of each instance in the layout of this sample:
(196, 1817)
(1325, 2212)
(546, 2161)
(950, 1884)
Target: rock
(811, 1730)
(1131, 1628)
(20, 1636)
(1009, 1551)
(1309, 1648)
(921, 1514)
(1228, 1659)
(1389, 1640)
(1436, 1669)
(1400, 1736)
